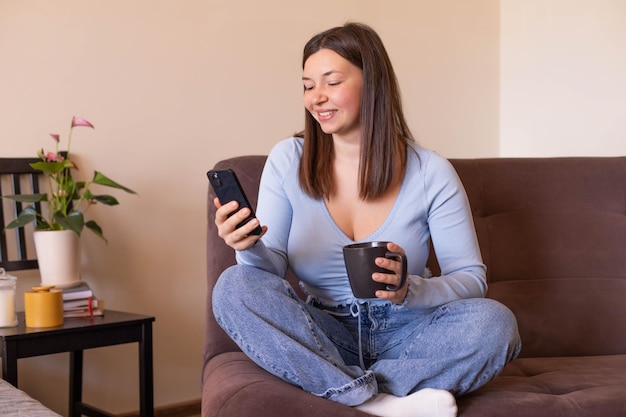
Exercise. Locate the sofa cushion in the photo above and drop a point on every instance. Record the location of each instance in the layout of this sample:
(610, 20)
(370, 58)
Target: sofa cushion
(555, 387)
(235, 386)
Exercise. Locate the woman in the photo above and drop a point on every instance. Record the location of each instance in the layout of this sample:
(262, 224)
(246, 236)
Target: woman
(357, 175)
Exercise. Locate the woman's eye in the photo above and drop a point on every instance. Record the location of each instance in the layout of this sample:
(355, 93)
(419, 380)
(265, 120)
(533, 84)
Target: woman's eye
(308, 87)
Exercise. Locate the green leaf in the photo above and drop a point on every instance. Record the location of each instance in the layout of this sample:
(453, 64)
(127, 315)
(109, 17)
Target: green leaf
(80, 185)
(68, 190)
(109, 200)
(42, 224)
(93, 226)
(100, 178)
(28, 198)
(51, 168)
(87, 195)
(73, 221)
(28, 215)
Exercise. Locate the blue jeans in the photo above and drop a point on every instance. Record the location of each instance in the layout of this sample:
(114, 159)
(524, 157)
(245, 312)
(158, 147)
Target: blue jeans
(458, 347)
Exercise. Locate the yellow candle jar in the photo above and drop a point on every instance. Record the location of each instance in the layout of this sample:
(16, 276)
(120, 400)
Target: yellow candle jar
(43, 307)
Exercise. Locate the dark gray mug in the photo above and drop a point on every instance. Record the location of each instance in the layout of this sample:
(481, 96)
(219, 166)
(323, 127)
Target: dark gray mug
(360, 260)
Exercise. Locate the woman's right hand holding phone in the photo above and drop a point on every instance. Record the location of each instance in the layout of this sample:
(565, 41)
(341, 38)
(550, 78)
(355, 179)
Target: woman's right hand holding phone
(227, 217)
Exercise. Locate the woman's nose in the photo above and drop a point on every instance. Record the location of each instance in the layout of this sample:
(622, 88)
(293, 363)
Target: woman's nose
(319, 96)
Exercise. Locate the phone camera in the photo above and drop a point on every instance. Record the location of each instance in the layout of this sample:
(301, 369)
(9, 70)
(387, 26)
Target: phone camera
(216, 179)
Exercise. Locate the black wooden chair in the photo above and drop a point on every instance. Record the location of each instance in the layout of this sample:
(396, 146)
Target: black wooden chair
(17, 177)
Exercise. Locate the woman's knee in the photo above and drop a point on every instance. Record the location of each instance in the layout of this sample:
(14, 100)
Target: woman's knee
(499, 326)
(242, 286)
(503, 317)
(231, 278)
(231, 288)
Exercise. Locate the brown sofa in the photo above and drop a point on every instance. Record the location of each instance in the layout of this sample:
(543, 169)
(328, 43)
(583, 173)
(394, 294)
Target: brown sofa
(552, 232)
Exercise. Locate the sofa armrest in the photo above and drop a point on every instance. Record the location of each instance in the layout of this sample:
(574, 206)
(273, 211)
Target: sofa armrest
(16, 403)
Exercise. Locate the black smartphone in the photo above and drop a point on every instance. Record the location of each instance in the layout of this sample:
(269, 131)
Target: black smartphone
(227, 188)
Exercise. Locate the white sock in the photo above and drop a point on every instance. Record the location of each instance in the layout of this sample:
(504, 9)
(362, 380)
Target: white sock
(427, 402)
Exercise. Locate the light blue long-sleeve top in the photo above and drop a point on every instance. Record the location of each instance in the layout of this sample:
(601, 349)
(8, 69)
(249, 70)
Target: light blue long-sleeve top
(302, 234)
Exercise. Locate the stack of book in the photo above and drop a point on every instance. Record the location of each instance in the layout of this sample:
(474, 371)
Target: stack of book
(80, 301)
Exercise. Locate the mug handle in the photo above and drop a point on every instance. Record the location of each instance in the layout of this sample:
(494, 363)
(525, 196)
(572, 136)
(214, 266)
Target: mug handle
(403, 276)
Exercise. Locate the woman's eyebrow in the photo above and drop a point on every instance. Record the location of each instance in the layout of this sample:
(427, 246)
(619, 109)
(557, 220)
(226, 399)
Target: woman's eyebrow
(326, 74)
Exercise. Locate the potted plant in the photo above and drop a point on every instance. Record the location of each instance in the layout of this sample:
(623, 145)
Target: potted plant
(59, 226)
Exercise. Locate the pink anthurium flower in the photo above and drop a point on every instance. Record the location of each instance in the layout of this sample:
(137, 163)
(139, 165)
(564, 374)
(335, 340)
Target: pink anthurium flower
(79, 121)
(68, 198)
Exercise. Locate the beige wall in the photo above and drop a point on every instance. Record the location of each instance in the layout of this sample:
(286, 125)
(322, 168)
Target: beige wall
(174, 86)
(563, 77)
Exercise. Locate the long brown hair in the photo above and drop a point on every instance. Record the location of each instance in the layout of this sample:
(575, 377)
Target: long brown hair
(385, 131)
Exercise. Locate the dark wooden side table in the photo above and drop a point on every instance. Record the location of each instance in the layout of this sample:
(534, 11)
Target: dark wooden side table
(74, 336)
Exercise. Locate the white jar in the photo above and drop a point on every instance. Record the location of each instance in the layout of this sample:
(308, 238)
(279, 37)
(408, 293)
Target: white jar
(8, 317)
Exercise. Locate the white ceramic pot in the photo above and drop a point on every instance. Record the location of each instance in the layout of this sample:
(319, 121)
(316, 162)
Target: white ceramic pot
(58, 255)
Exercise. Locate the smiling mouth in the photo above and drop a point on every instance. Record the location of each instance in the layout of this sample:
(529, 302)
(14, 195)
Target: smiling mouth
(323, 115)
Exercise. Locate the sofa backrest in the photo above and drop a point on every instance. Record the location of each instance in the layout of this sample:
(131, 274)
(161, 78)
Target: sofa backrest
(219, 255)
(552, 232)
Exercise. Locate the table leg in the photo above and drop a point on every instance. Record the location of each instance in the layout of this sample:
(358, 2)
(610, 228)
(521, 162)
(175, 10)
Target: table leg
(146, 386)
(9, 362)
(76, 382)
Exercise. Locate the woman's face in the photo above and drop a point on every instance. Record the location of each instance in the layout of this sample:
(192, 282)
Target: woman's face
(332, 93)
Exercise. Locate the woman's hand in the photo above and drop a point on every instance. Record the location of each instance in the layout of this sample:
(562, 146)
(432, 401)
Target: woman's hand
(238, 239)
(398, 296)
